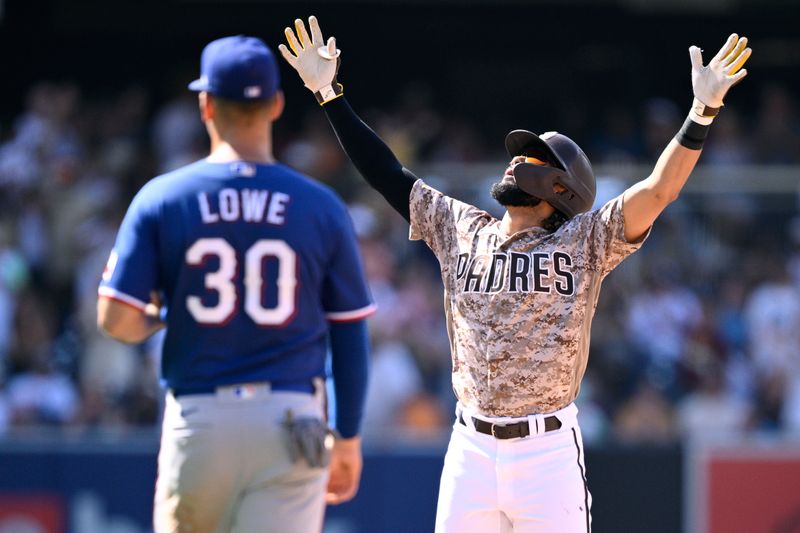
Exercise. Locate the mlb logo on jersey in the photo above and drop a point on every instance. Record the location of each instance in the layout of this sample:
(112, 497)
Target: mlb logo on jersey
(243, 169)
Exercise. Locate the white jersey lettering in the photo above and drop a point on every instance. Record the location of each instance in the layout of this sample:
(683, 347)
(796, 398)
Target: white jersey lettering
(254, 203)
(229, 205)
(206, 214)
(249, 205)
(277, 208)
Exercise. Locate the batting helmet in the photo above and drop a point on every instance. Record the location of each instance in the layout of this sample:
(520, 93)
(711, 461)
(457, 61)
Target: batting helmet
(567, 165)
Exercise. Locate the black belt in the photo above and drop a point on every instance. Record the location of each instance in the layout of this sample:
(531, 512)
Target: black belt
(286, 386)
(510, 431)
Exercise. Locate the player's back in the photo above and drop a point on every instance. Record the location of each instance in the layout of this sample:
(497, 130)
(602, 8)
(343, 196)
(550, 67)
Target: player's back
(252, 261)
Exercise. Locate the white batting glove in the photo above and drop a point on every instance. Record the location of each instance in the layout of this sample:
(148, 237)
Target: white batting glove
(711, 82)
(315, 61)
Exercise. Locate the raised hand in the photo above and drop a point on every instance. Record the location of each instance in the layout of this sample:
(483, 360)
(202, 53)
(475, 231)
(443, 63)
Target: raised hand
(316, 61)
(711, 82)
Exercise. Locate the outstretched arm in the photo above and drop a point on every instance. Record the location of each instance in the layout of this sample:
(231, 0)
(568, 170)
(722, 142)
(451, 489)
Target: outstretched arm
(370, 155)
(645, 200)
(317, 64)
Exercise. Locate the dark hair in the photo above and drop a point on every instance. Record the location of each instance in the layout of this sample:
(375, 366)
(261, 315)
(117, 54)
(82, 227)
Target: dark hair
(554, 221)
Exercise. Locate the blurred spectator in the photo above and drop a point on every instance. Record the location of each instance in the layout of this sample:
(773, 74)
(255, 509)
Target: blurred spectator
(660, 319)
(595, 425)
(394, 381)
(316, 153)
(32, 234)
(178, 135)
(13, 278)
(422, 417)
(768, 403)
(728, 145)
(772, 315)
(41, 133)
(793, 264)
(40, 396)
(5, 414)
(645, 418)
(730, 325)
(730, 320)
(37, 392)
(777, 131)
(711, 410)
(662, 118)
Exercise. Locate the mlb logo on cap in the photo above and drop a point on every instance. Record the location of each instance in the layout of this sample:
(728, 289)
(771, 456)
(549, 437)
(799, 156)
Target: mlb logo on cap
(238, 68)
(254, 91)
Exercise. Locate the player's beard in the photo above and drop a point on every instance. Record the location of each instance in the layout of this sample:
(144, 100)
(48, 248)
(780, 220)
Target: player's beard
(508, 193)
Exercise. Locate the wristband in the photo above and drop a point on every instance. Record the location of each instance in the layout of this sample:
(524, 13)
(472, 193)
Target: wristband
(329, 92)
(693, 134)
(705, 113)
(701, 109)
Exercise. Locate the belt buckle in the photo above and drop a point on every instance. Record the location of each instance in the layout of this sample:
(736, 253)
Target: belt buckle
(494, 433)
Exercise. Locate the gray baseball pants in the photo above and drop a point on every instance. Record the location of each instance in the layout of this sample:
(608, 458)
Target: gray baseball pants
(224, 465)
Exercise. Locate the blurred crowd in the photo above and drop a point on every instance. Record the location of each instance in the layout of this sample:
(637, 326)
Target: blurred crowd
(697, 334)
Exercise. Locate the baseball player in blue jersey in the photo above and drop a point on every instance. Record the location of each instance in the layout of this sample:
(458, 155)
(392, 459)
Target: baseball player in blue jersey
(258, 270)
(520, 292)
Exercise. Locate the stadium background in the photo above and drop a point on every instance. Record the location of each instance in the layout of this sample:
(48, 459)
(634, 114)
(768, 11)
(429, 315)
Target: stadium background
(691, 404)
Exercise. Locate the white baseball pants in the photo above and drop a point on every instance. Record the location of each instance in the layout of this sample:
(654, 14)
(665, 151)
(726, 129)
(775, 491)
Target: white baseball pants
(531, 484)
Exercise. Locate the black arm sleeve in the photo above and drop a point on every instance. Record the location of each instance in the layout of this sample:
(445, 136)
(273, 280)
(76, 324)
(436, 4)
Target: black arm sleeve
(370, 155)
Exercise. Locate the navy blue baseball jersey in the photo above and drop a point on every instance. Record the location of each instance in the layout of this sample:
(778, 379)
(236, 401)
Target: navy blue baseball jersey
(251, 262)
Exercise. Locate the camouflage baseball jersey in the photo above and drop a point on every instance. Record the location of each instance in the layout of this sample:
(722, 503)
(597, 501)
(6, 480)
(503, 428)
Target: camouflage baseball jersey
(519, 308)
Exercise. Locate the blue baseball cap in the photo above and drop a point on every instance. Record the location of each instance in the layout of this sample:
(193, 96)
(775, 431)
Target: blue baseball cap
(238, 68)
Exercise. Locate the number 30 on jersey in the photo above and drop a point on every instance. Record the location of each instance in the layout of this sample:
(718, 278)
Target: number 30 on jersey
(222, 282)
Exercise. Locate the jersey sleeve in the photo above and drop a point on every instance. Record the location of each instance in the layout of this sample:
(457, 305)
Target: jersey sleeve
(345, 294)
(602, 234)
(437, 219)
(131, 273)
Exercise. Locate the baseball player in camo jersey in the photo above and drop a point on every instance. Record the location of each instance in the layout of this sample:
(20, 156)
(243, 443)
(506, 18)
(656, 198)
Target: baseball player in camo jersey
(520, 292)
(259, 269)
